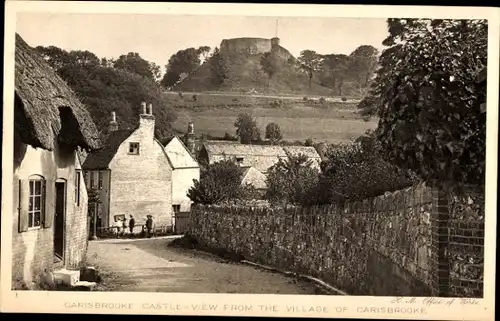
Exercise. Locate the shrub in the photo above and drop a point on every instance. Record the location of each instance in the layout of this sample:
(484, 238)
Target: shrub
(343, 99)
(322, 100)
(305, 98)
(195, 98)
(276, 103)
(181, 95)
(356, 171)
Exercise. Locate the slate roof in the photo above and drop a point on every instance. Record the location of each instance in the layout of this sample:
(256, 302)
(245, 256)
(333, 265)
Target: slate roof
(261, 157)
(100, 159)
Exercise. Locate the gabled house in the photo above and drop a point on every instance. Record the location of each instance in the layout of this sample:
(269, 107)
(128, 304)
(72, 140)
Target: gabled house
(185, 171)
(132, 174)
(50, 199)
(255, 178)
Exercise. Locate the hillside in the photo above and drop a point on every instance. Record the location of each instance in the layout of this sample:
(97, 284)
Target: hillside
(245, 74)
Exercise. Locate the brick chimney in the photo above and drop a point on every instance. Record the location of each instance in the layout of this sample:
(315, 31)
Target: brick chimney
(146, 118)
(113, 125)
(191, 138)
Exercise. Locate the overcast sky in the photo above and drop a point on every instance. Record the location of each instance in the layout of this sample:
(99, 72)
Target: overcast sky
(157, 37)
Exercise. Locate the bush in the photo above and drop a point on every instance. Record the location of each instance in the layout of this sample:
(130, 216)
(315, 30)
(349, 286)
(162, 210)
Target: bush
(322, 100)
(195, 98)
(356, 172)
(276, 103)
(343, 99)
(181, 95)
(305, 98)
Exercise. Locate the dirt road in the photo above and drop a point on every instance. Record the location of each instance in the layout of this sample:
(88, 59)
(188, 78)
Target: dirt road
(150, 266)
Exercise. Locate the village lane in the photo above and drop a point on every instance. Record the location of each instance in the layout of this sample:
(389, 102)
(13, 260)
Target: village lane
(148, 265)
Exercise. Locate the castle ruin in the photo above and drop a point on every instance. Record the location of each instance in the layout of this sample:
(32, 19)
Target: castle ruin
(254, 46)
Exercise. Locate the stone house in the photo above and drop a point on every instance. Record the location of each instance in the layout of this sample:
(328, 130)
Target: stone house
(50, 199)
(185, 171)
(260, 157)
(132, 174)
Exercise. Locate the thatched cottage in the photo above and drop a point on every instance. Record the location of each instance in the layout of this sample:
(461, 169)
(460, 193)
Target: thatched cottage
(50, 200)
(132, 174)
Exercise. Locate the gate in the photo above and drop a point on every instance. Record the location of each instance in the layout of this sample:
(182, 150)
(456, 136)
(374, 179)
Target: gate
(181, 222)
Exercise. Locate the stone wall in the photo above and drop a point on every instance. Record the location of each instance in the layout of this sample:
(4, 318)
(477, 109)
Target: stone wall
(381, 246)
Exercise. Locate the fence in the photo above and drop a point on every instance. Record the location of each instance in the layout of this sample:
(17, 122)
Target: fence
(395, 244)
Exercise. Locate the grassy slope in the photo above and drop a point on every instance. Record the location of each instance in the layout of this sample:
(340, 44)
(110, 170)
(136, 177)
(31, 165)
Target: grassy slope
(246, 74)
(215, 115)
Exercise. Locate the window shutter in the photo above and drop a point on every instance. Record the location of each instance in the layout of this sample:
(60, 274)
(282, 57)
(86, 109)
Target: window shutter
(23, 205)
(49, 197)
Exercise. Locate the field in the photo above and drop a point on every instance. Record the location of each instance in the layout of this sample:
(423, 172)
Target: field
(332, 121)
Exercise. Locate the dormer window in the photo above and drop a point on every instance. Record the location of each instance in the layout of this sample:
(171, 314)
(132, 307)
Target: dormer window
(133, 148)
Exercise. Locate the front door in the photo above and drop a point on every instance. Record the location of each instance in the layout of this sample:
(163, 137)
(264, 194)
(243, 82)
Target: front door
(59, 220)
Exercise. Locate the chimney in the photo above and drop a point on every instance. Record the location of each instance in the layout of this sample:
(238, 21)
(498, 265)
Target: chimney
(191, 138)
(146, 118)
(113, 125)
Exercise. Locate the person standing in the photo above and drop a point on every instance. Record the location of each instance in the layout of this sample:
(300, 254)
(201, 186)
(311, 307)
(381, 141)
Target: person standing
(131, 224)
(149, 225)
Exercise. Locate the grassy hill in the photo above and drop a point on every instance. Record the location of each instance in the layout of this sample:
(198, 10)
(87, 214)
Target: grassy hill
(245, 74)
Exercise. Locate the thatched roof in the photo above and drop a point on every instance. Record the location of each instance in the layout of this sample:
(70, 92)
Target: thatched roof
(46, 109)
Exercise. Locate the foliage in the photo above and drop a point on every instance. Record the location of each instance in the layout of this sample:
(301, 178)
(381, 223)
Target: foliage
(362, 64)
(204, 52)
(428, 98)
(134, 63)
(310, 62)
(104, 88)
(219, 69)
(356, 171)
(273, 132)
(219, 182)
(246, 128)
(270, 63)
(291, 181)
(335, 71)
(93, 196)
(183, 61)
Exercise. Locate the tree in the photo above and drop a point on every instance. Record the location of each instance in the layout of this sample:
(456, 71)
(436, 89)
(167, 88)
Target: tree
(246, 128)
(335, 71)
(270, 63)
(204, 52)
(219, 70)
(183, 61)
(428, 98)
(310, 62)
(133, 62)
(362, 65)
(219, 182)
(273, 133)
(291, 180)
(93, 200)
(59, 58)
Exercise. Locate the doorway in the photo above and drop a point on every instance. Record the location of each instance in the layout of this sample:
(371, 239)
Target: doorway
(59, 218)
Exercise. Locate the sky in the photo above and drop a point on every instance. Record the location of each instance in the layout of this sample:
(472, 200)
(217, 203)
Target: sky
(157, 37)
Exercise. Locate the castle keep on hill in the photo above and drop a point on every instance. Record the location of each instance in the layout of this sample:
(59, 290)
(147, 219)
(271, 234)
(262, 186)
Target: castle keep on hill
(254, 46)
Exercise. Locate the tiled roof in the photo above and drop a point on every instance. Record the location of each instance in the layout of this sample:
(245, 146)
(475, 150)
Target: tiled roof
(262, 157)
(100, 159)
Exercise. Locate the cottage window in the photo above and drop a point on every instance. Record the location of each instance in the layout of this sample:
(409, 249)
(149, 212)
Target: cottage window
(239, 160)
(99, 174)
(36, 202)
(92, 180)
(77, 187)
(176, 208)
(133, 148)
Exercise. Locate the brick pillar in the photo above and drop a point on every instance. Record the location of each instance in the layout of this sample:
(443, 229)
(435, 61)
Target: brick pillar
(439, 243)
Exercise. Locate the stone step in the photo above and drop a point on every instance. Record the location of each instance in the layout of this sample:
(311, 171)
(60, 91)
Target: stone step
(66, 277)
(84, 286)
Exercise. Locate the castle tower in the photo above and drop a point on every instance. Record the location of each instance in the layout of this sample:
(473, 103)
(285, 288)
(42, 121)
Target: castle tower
(275, 41)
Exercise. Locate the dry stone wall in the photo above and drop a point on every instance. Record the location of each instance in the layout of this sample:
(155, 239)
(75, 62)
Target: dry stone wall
(381, 246)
